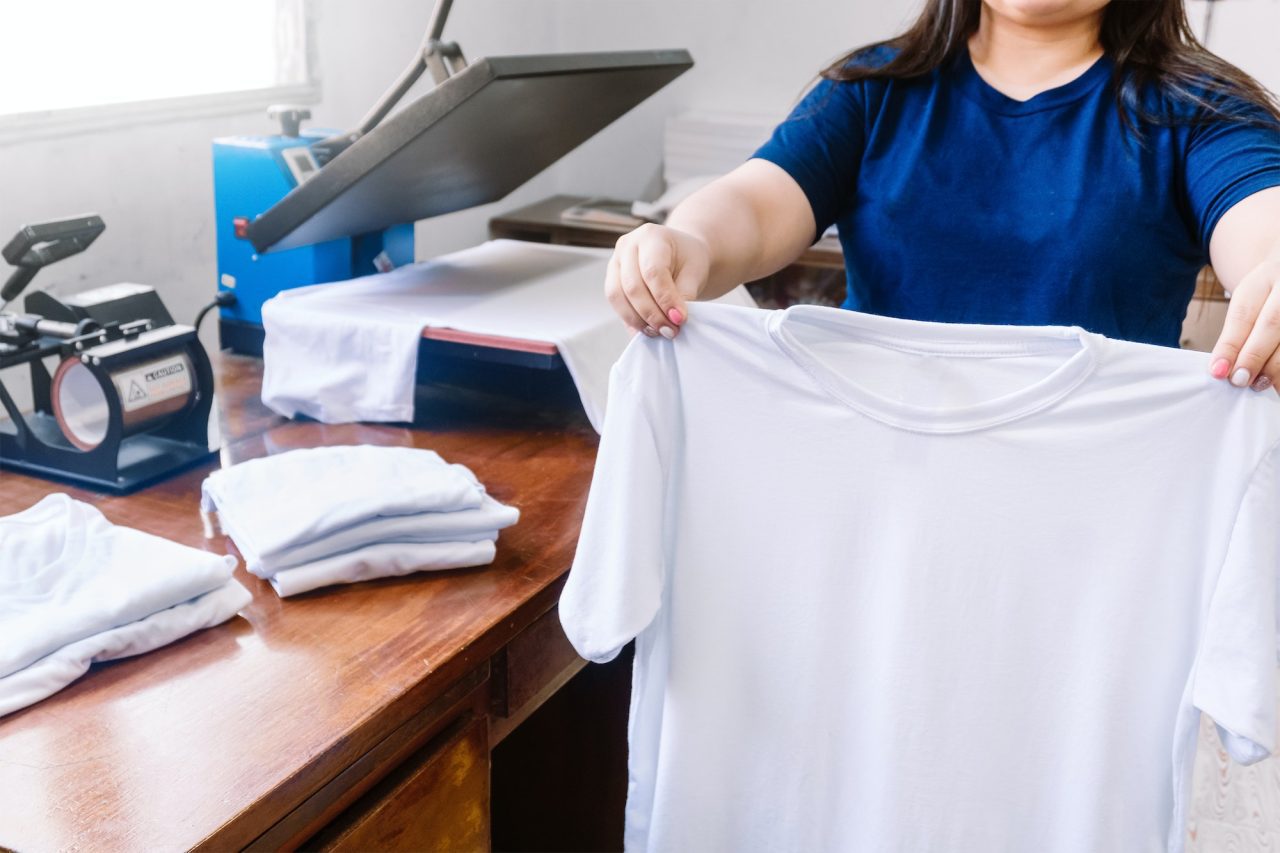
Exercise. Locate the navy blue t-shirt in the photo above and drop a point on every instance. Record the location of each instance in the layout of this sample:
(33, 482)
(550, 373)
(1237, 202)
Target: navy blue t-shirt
(956, 203)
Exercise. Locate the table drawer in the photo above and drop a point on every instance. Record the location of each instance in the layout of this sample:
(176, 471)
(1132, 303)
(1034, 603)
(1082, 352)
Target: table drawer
(535, 664)
(437, 800)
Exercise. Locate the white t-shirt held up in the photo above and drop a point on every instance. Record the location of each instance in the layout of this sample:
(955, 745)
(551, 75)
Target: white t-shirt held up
(907, 586)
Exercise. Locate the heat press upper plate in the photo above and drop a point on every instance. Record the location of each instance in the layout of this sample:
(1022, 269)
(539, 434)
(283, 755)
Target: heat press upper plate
(469, 141)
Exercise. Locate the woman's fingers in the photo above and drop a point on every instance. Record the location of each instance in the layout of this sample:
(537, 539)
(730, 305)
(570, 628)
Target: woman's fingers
(641, 281)
(656, 257)
(1250, 336)
(1269, 376)
(637, 291)
(618, 299)
(653, 273)
(690, 277)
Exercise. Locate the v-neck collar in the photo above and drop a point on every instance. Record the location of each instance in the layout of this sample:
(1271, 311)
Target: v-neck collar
(970, 82)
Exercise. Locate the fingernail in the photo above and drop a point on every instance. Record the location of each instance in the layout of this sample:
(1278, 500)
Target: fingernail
(674, 314)
(1262, 383)
(667, 332)
(1240, 378)
(650, 331)
(1220, 368)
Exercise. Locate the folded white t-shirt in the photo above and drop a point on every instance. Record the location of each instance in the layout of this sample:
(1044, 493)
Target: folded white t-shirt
(388, 559)
(66, 573)
(56, 670)
(270, 505)
(463, 525)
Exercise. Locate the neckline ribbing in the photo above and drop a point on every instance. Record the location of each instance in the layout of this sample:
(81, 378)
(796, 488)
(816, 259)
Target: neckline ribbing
(970, 82)
(923, 337)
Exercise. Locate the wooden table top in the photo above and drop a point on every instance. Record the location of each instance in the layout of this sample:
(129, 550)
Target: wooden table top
(210, 741)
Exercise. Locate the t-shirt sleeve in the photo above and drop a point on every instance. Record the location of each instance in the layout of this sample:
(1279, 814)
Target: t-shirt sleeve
(1228, 161)
(615, 585)
(820, 146)
(1235, 671)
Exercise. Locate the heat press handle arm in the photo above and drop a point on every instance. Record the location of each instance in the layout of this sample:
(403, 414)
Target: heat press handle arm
(439, 57)
(431, 45)
(36, 246)
(79, 230)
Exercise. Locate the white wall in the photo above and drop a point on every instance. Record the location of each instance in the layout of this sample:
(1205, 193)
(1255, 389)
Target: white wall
(749, 56)
(1244, 32)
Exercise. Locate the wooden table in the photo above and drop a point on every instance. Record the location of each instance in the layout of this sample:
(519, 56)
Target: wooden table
(358, 717)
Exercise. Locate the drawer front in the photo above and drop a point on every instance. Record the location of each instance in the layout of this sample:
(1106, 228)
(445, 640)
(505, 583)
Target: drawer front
(535, 664)
(438, 800)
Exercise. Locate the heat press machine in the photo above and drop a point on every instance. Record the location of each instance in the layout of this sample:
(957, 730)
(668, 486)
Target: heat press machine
(305, 207)
(121, 393)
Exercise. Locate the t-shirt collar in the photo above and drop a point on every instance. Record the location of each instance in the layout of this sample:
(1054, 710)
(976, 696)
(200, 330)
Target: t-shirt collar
(1080, 348)
(970, 83)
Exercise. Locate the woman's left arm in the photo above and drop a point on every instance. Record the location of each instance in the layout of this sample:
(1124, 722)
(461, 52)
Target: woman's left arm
(1245, 253)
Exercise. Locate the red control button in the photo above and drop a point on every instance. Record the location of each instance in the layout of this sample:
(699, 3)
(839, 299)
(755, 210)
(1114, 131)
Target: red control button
(241, 226)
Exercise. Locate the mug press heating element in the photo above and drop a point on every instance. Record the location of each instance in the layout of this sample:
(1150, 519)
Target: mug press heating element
(148, 394)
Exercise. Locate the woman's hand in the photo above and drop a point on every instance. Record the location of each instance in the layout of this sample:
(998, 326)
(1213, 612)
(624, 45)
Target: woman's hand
(1245, 250)
(742, 226)
(653, 274)
(1248, 350)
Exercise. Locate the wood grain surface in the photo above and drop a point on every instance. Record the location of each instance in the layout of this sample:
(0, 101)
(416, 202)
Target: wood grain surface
(213, 740)
(1234, 809)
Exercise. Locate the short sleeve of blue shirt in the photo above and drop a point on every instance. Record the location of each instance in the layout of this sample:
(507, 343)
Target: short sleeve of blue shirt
(820, 146)
(957, 203)
(1228, 161)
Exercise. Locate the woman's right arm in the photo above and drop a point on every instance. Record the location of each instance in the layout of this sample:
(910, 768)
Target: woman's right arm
(743, 226)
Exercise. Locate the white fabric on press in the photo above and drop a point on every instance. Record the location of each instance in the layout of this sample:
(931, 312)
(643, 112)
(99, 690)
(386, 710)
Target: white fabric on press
(464, 525)
(907, 586)
(271, 505)
(348, 351)
(66, 573)
(56, 670)
(384, 560)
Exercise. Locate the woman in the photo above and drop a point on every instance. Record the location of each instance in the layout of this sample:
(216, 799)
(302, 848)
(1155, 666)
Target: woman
(1045, 162)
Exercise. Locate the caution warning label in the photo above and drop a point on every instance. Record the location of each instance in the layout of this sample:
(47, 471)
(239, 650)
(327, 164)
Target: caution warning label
(153, 382)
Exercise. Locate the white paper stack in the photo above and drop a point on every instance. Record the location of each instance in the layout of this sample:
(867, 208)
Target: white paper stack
(315, 517)
(711, 143)
(76, 589)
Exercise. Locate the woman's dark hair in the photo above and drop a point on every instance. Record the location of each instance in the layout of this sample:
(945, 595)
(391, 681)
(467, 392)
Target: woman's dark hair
(1150, 42)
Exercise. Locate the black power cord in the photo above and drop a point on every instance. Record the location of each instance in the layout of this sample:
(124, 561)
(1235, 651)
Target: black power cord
(222, 300)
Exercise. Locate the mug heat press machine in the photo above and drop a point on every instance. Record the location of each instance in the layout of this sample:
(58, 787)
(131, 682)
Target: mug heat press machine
(307, 206)
(128, 400)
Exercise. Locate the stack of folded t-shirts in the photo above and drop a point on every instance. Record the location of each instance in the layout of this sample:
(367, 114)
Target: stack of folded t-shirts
(310, 518)
(76, 589)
